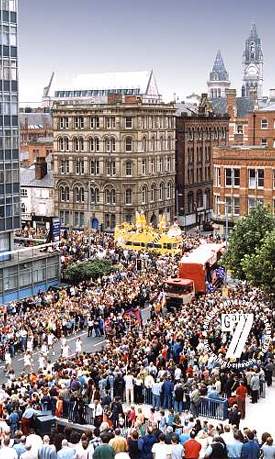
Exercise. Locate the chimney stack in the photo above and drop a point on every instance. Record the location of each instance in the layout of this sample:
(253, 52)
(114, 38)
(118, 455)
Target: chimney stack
(40, 168)
(231, 95)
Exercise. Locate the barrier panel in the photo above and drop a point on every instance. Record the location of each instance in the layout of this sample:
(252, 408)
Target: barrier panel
(213, 408)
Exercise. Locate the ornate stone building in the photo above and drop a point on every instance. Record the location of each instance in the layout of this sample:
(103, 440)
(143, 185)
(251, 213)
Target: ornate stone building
(197, 133)
(114, 155)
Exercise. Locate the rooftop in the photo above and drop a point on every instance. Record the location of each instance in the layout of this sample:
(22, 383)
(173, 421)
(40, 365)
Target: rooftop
(35, 120)
(244, 105)
(27, 176)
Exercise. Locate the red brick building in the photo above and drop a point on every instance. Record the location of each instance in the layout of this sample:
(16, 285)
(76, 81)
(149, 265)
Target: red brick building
(243, 176)
(261, 127)
(196, 135)
(36, 137)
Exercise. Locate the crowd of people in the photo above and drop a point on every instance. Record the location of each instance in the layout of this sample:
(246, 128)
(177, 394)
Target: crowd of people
(171, 362)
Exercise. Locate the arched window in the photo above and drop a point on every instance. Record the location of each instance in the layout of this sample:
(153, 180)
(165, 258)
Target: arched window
(161, 192)
(161, 144)
(144, 195)
(79, 194)
(128, 196)
(110, 197)
(169, 143)
(63, 144)
(107, 145)
(153, 143)
(94, 144)
(64, 193)
(94, 195)
(129, 144)
(113, 144)
(144, 144)
(169, 190)
(153, 196)
(128, 168)
(76, 144)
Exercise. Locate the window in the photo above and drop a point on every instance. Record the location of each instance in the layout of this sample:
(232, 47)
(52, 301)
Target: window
(161, 144)
(64, 166)
(110, 197)
(161, 192)
(217, 176)
(169, 143)
(79, 122)
(94, 167)
(64, 194)
(63, 144)
(79, 194)
(152, 165)
(128, 196)
(128, 122)
(144, 195)
(109, 221)
(63, 122)
(144, 144)
(78, 144)
(94, 144)
(107, 144)
(153, 197)
(264, 124)
(79, 219)
(24, 192)
(160, 165)
(111, 168)
(153, 144)
(113, 144)
(256, 178)
(128, 144)
(110, 122)
(169, 190)
(64, 217)
(264, 142)
(190, 202)
(143, 167)
(232, 177)
(253, 202)
(128, 168)
(94, 122)
(94, 192)
(168, 164)
(239, 129)
(79, 167)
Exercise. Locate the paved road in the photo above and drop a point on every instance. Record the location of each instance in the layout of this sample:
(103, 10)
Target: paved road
(88, 345)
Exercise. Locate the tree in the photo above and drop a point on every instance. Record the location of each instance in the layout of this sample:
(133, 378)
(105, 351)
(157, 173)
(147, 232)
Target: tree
(259, 267)
(246, 237)
(78, 272)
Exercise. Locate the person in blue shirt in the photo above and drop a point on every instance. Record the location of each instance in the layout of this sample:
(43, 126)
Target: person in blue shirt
(250, 449)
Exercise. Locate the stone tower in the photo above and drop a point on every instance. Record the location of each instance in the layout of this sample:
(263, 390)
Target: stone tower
(218, 79)
(253, 66)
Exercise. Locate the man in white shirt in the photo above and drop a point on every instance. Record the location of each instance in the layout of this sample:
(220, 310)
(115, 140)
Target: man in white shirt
(129, 388)
(6, 452)
(160, 450)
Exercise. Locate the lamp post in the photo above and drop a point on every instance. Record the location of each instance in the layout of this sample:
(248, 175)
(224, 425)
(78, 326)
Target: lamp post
(225, 204)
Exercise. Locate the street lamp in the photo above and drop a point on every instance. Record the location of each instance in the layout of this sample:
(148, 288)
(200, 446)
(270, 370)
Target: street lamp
(225, 204)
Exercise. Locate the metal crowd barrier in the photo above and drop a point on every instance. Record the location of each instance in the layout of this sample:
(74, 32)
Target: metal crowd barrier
(213, 408)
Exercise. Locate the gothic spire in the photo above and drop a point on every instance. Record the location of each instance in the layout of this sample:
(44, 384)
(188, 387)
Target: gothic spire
(219, 72)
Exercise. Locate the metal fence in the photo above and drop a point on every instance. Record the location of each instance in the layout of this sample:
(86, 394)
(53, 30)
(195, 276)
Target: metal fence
(212, 408)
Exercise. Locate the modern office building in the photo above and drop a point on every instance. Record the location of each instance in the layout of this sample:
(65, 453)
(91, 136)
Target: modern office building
(114, 151)
(9, 154)
(22, 272)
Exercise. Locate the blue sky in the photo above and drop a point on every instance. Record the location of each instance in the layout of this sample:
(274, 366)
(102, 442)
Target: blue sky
(177, 38)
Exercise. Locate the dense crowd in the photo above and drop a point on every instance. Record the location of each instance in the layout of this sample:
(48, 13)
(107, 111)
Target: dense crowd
(171, 363)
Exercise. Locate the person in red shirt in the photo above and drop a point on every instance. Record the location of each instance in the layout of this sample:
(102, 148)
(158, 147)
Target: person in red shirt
(192, 447)
(241, 393)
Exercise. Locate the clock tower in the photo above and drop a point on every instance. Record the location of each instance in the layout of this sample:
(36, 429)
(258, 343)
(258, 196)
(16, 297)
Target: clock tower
(253, 66)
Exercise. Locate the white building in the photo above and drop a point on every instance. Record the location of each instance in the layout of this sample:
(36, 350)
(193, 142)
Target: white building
(37, 192)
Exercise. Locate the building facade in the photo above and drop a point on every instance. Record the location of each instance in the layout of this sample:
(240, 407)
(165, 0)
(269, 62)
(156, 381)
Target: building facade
(37, 193)
(196, 135)
(243, 177)
(9, 153)
(253, 66)
(218, 79)
(36, 137)
(261, 126)
(112, 159)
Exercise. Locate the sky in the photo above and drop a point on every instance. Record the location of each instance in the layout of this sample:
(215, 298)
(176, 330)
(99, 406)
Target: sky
(178, 39)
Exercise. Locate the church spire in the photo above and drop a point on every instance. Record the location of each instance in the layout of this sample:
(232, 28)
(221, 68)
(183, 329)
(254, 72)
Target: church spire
(218, 78)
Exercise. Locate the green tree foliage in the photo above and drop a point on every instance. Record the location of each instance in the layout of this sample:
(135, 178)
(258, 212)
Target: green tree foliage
(246, 237)
(78, 272)
(259, 267)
